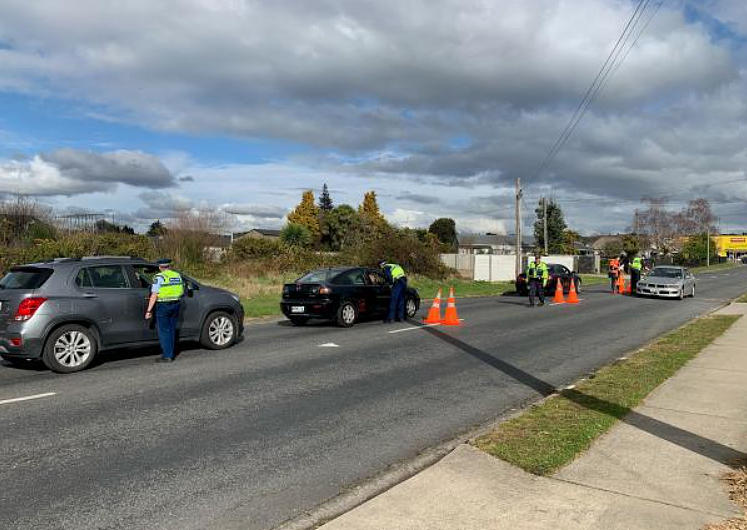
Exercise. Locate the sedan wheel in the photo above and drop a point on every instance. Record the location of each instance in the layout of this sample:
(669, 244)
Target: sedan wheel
(682, 293)
(346, 315)
(411, 308)
(692, 293)
(69, 349)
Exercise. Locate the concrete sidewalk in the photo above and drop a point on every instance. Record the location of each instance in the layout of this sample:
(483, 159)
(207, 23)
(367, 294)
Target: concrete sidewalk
(658, 470)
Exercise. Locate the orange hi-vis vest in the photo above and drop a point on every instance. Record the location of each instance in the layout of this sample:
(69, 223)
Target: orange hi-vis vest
(614, 266)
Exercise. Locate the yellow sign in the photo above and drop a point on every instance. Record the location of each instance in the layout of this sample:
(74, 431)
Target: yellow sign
(731, 245)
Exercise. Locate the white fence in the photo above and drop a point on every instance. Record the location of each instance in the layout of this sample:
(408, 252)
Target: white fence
(496, 267)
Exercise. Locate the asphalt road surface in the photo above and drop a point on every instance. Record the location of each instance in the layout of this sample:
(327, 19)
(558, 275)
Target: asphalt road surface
(252, 436)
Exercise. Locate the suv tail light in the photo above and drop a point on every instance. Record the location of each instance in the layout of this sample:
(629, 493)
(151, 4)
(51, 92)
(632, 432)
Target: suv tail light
(27, 308)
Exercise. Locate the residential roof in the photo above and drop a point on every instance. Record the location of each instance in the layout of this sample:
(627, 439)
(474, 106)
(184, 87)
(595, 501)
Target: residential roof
(269, 232)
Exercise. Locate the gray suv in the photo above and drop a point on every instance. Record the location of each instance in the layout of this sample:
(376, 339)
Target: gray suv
(67, 310)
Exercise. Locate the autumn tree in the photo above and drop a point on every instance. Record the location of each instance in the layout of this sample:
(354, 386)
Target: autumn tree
(655, 223)
(371, 218)
(696, 218)
(306, 214)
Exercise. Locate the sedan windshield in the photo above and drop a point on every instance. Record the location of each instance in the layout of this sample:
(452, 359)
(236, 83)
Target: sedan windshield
(666, 273)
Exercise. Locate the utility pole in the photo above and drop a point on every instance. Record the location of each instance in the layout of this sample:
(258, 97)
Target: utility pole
(544, 222)
(518, 227)
(708, 244)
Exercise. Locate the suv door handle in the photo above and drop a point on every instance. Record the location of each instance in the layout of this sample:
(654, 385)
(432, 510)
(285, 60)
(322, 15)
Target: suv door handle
(89, 295)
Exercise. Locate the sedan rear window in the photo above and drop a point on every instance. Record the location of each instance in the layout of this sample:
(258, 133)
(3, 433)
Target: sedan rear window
(25, 278)
(321, 276)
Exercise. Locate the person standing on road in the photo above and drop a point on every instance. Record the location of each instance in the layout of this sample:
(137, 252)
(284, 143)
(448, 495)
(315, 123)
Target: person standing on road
(537, 274)
(636, 267)
(395, 275)
(166, 294)
(614, 273)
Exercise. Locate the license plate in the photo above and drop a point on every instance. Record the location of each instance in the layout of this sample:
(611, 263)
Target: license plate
(297, 309)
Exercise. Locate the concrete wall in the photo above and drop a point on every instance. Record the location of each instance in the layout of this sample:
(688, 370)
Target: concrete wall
(495, 268)
(463, 263)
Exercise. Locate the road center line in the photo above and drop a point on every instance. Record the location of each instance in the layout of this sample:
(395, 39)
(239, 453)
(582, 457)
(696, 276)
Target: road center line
(27, 398)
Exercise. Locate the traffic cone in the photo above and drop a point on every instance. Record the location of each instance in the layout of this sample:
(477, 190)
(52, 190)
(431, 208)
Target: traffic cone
(452, 319)
(620, 284)
(572, 294)
(434, 314)
(559, 296)
(628, 288)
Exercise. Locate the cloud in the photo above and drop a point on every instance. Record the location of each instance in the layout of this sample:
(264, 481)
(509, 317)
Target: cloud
(186, 178)
(73, 172)
(263, 211)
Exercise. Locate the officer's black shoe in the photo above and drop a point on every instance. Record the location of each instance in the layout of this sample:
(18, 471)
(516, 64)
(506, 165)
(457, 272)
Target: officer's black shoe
(387, 321)
(398, 320)
(165, 360)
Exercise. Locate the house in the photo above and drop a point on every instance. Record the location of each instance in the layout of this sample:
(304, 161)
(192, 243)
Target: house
(258, 233)
(493, 244)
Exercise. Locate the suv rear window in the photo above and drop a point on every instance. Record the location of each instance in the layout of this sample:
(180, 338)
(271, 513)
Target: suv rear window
(25, 278)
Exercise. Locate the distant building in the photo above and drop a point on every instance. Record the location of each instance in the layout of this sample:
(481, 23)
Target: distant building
(731, 245)
(258, 233)
(493, 244)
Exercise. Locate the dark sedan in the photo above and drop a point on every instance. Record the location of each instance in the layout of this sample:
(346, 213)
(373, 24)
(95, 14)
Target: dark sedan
(556, 271)
(343, 295)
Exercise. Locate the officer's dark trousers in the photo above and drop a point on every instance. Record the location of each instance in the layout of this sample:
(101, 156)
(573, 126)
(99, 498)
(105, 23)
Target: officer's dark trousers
(635, 276)
(167, 315)
(397, 302)
(535, 288)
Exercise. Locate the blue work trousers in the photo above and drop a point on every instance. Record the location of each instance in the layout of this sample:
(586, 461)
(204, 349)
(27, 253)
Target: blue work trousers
(397, 302)
(536, 289)
(167, 315)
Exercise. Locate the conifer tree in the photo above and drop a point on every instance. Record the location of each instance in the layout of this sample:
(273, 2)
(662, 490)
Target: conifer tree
(325, 201)
(369, 212)
(306, 214)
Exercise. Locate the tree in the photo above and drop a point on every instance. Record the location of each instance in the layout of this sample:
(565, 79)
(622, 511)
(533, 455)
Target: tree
(696, 248)
(297, 236)
(157, 229)
(340, 228)
(570, 237)
(656, 223)
(631, 244)
(612, 249)
(555, 228)
(371, 218)
(445, 231)
(695, 218)
(325, 201)
(306, 214)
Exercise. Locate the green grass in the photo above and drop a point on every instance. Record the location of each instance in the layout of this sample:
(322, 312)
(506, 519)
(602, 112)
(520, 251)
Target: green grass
(593, 279)
(551, 434)
(742, 299)
(715, 267)
(428, 287)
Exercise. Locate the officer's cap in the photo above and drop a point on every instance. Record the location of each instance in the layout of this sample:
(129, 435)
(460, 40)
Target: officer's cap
(164, 261)
(382, 263)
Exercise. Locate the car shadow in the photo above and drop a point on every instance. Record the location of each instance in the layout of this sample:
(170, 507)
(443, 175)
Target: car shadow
(687, 440)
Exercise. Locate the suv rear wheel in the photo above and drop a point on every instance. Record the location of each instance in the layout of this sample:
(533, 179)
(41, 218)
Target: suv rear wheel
(219, 331)
(70, 348)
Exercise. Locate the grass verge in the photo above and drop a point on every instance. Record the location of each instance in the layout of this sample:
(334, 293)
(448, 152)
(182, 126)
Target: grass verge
(552, 433)
(715, 267)
(742, 299)
(463, 288)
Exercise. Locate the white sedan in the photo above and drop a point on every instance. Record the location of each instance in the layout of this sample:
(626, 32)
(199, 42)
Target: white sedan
(667, 282)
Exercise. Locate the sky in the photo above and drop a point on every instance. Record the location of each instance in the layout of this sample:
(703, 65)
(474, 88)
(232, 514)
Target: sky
(140, 109)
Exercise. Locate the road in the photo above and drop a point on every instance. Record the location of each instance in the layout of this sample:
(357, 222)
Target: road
(252, 436)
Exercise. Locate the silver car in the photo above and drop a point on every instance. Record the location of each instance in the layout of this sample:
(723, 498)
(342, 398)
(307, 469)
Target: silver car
(667, 282)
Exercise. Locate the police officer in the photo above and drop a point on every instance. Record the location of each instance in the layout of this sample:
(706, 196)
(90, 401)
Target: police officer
(636, 267)
(166, 293)
(537, 274)
(395, 275)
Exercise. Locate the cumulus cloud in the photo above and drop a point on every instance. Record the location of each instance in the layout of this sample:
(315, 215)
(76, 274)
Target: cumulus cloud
(264, 211)
(72, 172)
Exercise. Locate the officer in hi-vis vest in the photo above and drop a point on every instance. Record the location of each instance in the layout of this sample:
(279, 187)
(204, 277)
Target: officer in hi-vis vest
(165, 295)
(537, 276)
(395, 275)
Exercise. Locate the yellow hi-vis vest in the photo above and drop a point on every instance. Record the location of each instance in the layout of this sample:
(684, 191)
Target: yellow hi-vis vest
(637, 264)
(538, 272)
(397, 271)
(172, 288)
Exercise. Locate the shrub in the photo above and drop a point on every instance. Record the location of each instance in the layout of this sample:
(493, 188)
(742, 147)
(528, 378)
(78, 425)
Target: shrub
(297, 236)
(253, 248)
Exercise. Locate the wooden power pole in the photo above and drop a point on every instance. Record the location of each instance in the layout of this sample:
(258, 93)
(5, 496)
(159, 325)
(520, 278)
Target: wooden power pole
(518, 227)
(544, 222)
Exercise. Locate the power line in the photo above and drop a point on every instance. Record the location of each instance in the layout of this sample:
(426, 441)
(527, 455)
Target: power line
(600, 80)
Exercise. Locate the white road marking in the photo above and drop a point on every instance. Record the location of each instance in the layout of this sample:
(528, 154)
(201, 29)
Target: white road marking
(27, 398)
(412, 328)
(329, 345)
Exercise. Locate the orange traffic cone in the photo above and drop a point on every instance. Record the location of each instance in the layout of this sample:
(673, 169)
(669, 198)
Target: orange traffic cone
(620, 284)
(628, 288)
(434, 315)
(572, 294)
(559, 297)
(452, 319)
